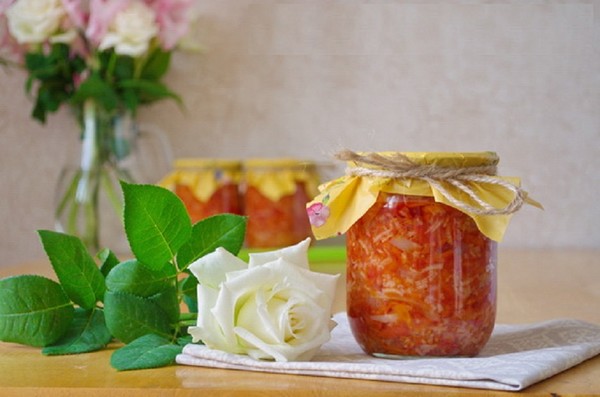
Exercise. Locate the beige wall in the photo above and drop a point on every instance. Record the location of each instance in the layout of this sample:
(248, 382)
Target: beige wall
(306, 78)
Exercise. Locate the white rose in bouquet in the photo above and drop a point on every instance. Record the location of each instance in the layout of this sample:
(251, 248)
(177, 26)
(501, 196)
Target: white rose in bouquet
(131, 30)
(272, 308)
(35, 21)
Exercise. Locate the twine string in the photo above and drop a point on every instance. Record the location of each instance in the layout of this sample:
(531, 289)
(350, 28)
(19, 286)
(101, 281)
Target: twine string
(399, 166)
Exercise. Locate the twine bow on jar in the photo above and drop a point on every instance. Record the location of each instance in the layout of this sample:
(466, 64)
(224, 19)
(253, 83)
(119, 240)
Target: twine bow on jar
(399, 166)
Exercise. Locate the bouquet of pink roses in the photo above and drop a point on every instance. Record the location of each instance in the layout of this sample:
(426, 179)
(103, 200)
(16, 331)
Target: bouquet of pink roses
(103, 59)
(114, 52)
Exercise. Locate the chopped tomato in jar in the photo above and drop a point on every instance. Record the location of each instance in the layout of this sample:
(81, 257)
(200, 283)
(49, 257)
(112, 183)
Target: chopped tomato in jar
(224, 200)
(421, 279)
(276, 223)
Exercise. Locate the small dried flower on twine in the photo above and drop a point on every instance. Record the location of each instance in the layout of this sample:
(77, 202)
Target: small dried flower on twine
(399, 166)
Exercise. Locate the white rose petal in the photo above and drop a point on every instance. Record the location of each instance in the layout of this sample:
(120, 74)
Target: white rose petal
(296, 254)
(131, 31)
(262, 326)
(206, 323)
(275, 309)
(210, 270)
(67, 37)
(34, 21)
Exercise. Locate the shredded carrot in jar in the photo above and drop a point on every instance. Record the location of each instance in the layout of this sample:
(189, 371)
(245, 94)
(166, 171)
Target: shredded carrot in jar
(276, 223)
(421, 279)
(224, 200)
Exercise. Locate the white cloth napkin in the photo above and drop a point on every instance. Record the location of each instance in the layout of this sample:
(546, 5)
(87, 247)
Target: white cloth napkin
(516, 356)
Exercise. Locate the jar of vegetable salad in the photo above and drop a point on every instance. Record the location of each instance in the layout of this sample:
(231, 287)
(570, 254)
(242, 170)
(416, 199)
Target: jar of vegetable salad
(275, 197)
(422, 232)
(206, 186)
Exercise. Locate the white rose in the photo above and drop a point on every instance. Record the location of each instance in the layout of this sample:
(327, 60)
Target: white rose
(273, 308)
(131, 31)
(34, 21)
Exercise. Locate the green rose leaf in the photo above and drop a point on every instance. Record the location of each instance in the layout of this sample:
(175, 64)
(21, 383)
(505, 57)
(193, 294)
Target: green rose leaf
(158, 286)
(87, 333)
(156, 223)
(184, 340)
(129, 317)
(149, 91)
(131, 100)
(223, 230)
(34, 310)
(148, 351)
(76, 270)
(124, 67)
(39, 111)
(137, 279)
(52, 74)
(157, 65)
(94, 87)
(168, 301)
(108, 260)
(37, 64)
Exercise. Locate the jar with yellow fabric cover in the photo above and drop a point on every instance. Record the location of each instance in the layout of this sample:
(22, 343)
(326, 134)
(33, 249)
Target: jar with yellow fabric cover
(275, 197)
(421, 238)
(206, 186)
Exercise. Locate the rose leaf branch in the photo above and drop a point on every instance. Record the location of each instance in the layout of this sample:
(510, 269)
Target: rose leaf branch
(137, 301)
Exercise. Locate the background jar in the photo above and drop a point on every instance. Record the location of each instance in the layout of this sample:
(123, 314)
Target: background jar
(275, 195)
(207, 186)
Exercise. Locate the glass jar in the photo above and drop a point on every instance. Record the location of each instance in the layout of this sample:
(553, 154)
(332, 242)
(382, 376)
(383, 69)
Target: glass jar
(275, 197)
(421, 279)
(421, 241)
(207, 186)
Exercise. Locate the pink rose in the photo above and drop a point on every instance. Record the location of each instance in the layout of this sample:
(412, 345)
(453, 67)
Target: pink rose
(76, 12)
(318, 213)
(4, 4)
(173, 20)
(9, 48)
(102, 13)
(4, 34)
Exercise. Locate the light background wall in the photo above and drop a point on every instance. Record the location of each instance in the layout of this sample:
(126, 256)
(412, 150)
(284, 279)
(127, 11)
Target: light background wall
(306, 78)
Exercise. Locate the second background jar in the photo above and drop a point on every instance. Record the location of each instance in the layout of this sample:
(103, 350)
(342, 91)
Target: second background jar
(275, 193)
(271, 192)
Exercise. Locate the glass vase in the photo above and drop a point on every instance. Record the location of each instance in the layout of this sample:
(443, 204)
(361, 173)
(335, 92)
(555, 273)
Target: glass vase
(112, 148)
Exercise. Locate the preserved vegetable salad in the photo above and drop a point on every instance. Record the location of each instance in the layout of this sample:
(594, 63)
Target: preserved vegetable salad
(276, 223)
(207, 187)
(275, 196)
(421, 279)
(224, 200)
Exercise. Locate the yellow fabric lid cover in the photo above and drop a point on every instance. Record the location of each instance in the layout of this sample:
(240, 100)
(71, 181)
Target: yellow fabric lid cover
(277, 178)
(465, 181)
(203, 176)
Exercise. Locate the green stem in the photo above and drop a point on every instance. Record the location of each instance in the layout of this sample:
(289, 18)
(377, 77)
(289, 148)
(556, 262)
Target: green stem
(113, 197)
(68, 197)
(110, 68)
(183, 317)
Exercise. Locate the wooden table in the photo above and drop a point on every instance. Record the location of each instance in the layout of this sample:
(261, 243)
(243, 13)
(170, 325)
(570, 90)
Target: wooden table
(534, 285)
